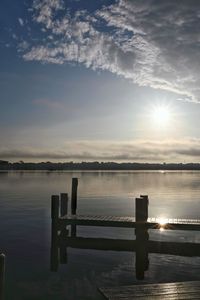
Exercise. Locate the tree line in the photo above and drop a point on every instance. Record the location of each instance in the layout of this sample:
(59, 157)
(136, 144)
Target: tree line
(95, 165)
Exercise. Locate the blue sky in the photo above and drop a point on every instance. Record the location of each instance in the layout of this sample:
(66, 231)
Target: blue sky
(79, 80)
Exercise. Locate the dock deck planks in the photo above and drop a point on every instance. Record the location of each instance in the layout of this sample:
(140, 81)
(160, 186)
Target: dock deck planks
(95, 220)
(170, 291)
(127, 222)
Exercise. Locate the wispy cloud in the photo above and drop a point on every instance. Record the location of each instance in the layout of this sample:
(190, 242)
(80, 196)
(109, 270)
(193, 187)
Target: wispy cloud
(48, 103)
(21, 22)
(187, 150)
(153, 43)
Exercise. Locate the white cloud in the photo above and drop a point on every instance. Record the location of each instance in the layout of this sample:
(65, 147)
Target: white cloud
(45, 9)
(21, 22)
(23, 46)
(153, 43)
(49, 103)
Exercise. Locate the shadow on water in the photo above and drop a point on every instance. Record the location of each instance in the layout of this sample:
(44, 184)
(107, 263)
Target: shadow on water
(142, 246)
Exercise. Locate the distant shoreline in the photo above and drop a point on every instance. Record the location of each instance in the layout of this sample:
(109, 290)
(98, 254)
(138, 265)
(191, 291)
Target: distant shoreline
(96, 166)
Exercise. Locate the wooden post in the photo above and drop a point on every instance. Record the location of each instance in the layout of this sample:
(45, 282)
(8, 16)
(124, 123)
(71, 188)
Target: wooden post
(142, 236)
(63, 204)
(2, 275)
(74, 195)
(64, 231)
(145, 205)
(54, 232)
(54, 207)
(74, 203)
(141, 209)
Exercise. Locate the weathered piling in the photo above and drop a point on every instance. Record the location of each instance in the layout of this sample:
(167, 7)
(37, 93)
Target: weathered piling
(145, 205)
(141, 209)
(64, 231)
(54, 207)
(74, 195)
(74, 203)
(63, 204)
(54, 231)
(142, 236)
(2, 276)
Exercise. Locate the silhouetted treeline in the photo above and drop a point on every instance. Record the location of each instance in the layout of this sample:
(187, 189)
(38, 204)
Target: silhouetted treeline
(51, 166)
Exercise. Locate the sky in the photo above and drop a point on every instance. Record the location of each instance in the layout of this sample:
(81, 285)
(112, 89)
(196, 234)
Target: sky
(104, 80)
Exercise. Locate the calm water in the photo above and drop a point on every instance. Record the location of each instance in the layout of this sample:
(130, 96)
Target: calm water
(25, 231)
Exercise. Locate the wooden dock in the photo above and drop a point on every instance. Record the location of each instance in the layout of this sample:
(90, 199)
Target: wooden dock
(61, 218)
(164, 291)
(141, 245)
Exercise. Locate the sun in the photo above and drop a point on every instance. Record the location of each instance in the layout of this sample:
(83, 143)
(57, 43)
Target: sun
(162, 221)
(161, 115)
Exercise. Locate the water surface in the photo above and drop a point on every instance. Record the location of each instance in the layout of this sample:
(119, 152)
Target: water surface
(25, 233)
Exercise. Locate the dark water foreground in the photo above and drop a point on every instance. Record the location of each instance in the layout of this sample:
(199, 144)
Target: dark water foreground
(25, 231)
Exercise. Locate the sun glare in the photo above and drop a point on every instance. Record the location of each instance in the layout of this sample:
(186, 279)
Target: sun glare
(162, 221)
(161, 114)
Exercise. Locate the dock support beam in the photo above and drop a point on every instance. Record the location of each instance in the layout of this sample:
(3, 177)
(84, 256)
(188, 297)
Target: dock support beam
(2, 276)
(142, 236)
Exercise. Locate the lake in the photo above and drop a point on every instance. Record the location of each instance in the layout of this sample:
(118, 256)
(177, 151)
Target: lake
(25, 230)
